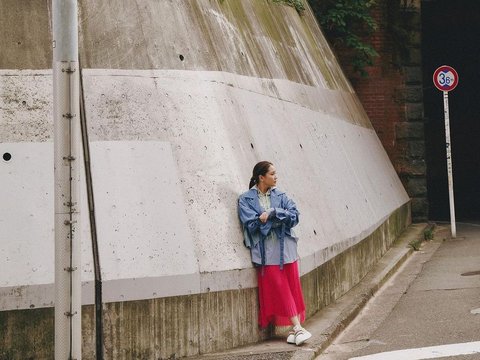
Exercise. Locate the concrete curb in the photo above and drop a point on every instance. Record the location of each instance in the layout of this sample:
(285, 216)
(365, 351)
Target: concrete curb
(328, 323)
(355, 300)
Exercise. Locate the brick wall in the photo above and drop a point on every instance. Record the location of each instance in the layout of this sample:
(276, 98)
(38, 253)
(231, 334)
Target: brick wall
(392, 97)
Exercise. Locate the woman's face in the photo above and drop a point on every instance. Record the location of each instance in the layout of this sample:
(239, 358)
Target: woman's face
(270, 178)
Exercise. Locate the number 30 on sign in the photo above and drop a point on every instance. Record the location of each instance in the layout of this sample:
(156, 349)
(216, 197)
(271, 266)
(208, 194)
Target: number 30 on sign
(445, 78)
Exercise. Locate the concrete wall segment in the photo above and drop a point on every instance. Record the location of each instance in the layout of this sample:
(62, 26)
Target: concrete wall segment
(162, 128)
(172, 327)
(228, 134)
(26, 111)
(26, 41)
(248, 37)
(26, 216)
(140, 213)
(213, 127)
(173, 140)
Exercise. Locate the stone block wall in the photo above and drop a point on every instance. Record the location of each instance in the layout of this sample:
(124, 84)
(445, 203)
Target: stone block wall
(392, 96)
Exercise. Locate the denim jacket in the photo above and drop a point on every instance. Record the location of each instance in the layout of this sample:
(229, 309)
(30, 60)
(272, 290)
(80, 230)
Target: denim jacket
(281, 220)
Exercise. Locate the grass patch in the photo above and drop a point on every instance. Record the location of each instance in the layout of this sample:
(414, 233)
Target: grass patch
(428, 234)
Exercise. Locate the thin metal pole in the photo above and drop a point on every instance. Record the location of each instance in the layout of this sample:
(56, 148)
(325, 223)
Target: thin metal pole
(449, 164)
(67, 153)
(93, 226)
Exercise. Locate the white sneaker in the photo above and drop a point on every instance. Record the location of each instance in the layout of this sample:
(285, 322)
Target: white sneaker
(301, 335)
(291, 337)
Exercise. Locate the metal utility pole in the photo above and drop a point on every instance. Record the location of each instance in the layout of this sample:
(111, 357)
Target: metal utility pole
(67, 150)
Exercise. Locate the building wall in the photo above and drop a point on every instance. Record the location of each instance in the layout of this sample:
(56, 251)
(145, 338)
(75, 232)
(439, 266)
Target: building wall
(392, 96)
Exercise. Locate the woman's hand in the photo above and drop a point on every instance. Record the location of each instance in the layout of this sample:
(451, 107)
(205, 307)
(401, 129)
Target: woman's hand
(264, 217)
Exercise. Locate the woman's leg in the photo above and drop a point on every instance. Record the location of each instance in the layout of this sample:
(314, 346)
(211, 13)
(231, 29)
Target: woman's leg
(298, 335)
(295, 321)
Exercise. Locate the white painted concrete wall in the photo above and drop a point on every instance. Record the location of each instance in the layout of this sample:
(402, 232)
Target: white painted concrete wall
(174, 141)
(171, 152)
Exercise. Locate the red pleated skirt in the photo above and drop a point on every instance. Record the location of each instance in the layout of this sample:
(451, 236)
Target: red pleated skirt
(280, 295)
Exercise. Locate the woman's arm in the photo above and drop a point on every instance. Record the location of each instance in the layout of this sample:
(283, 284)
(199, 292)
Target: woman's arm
(251, 219)
(248, 216)
(287, 213)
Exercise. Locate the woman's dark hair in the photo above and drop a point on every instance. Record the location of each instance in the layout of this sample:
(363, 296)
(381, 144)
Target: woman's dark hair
(260, 168)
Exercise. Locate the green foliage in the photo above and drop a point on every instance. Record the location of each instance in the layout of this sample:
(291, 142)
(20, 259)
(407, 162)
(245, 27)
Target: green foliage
(347, 23)
(297, 4)
(415, 245)
(428, 232)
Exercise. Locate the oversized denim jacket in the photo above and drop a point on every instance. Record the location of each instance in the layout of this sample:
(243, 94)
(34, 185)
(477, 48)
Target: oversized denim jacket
(283, 218)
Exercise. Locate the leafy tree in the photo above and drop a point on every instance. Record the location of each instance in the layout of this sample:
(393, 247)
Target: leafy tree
(347, 24)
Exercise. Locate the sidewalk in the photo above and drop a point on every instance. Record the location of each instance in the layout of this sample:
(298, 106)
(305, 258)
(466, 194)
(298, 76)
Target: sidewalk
(428, 310)
(329, 322)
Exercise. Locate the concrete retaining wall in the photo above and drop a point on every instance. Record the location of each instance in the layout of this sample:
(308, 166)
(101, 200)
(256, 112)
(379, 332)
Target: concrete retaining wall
(182, 98)
(188, 325)
(171, 151)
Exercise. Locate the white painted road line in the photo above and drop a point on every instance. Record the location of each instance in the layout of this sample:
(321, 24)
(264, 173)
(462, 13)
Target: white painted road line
(431, 352)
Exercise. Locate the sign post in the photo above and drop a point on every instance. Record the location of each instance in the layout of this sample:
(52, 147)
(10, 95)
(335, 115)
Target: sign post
(445, 79)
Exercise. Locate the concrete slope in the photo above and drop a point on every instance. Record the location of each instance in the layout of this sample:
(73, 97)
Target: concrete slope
(182, 99)
(256, 81)
(253, 38)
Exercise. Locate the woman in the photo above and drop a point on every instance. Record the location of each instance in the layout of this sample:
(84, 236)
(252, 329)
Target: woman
(268, 216)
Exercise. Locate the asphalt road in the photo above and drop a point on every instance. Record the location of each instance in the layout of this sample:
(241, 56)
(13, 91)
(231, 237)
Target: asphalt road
(432, 301)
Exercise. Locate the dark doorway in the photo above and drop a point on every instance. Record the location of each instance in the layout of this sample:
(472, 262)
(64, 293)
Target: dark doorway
(451, 36)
